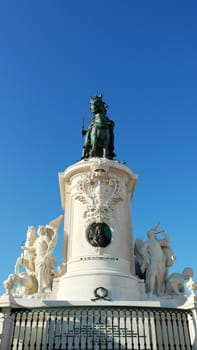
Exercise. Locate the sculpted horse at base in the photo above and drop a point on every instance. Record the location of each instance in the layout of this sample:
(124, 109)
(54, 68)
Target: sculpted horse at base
(27, 258)
(99, 138)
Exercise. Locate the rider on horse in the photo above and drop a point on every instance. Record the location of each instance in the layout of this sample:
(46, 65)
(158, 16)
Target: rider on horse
(99, 137)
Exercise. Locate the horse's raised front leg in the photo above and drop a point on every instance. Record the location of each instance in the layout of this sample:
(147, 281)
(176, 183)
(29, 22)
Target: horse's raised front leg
(104, 152)
(93, 142)
(106, 144)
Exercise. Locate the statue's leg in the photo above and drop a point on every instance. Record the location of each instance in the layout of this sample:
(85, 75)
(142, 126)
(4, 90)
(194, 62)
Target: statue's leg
(106, 139)
(150, 278)
(87, 144)
(105, 152)
(39, 280)
(93, 142)
(85, 153)
(161, 275)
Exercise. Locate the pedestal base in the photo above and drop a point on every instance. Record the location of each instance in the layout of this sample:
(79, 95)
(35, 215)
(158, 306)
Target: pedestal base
(99, 284)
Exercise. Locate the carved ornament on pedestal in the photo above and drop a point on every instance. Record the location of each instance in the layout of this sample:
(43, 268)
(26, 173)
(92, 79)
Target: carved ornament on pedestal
(99, 190)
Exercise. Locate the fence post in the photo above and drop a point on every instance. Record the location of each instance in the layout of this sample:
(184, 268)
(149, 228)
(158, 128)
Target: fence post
(192, 306)
(6, 328)
(7, 303)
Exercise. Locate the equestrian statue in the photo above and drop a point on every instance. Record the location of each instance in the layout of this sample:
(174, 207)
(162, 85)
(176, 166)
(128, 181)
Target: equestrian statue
(99, 137)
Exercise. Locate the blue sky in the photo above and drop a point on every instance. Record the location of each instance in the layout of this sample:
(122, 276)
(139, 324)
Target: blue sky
(55, 55)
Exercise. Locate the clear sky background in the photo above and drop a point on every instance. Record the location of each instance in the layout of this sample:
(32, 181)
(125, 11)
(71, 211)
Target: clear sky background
(55, 55)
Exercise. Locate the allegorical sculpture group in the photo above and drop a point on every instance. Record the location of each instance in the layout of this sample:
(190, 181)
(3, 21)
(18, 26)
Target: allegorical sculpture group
(153, 259)
(34, 269)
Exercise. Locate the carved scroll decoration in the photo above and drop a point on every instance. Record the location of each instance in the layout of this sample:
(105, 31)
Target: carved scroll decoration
(99, 190)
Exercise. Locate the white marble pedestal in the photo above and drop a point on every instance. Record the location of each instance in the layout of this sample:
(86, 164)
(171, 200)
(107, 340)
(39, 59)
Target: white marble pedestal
(97, 191)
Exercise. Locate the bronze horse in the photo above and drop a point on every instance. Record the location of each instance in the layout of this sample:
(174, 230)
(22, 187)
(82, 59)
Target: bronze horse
(99, 140)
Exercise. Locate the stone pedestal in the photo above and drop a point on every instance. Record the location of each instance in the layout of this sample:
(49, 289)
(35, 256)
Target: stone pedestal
(98, 240)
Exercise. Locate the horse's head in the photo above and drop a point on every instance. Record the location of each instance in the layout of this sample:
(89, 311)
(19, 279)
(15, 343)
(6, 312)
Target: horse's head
(187, 273)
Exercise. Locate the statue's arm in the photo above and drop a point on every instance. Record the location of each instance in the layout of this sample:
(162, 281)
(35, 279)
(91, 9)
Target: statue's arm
(165, 241)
